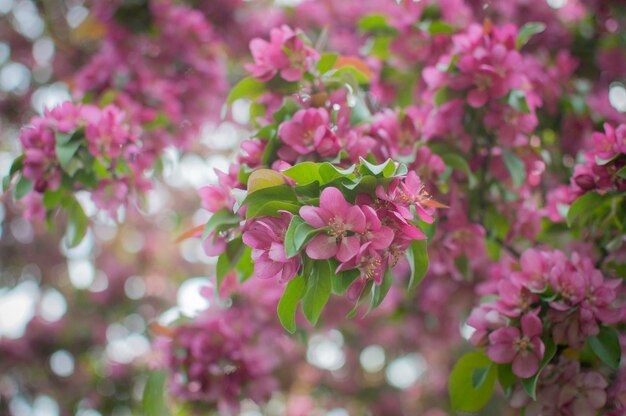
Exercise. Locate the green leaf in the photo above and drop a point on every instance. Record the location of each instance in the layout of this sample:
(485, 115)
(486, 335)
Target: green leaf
(621, 173)
(530, 384)
(515, 166)
(583, 206)
(297, 235)
(417, 255)
(288, 304)
(517, 100)
(246, 88)
(326, 62)
(436, 27)
(527, 31)
(304, 173)
(442, 96)
(506, 376)
(606, 346)
(268, 201)
(329, 172)
(228, 260)
(385, 169)
(380, 291)
(22, 187)
(53, 199)
(376, 23)
(65, 152)
(351, 73)
(479, 375)
(456, 161)
(245, 265)
(16, 166)
(464, 396)
(318, 290)
(341, 282)
(220, 221)
(154, 394)
(361, 113)
(77, 222)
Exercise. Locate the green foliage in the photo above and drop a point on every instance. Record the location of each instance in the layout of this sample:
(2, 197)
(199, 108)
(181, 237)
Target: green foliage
(246, 88)
(583, 207)
(379, 292)
(417, 255)
(326, 62)
(606, 346)
(515, 166)
(472, 382)
(229, 259)
(154, 395)
(268, 201)
(298, 234)
(517, 100)
(318, 283)
(220, 221)
(527, 31)
(456, 161)
(288, 304)
(77, 222)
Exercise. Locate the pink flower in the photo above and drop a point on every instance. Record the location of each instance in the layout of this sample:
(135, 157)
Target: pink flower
(285, 53)
(306, 131)
(515, 299)
(266, 236)
(585, 394)
(106, 131)
(215, 197)
(340, 223)
(535, 268)
(375, 233)
(110, 195)
(524, 349)
(483, 319)
(612, 142)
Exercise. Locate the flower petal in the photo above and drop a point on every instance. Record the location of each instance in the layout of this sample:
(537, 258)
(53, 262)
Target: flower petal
(322, 247)
(525, 364)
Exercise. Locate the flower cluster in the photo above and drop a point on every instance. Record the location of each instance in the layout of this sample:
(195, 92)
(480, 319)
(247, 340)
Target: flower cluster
(546, 294)
(60, 148)
(226, 354)
(605, 165)
(165, 71)
(485, 68)
(565, 388)
(286, 54)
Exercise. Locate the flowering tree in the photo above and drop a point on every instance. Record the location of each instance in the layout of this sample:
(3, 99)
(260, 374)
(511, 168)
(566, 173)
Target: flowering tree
(440, 183)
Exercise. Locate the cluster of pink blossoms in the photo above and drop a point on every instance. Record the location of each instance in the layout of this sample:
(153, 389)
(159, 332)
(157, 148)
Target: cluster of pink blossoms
(566, 389)
(228, 354)
(286, 54)
(485, 65)
(212, 362)
(547, 293)
(169, 76)
(369, 236)
(605, 165)
(105, 134)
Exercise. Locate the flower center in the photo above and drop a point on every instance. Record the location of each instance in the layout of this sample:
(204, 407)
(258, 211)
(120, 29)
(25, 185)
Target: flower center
(336, 228)
(370, 266)
(522, 344)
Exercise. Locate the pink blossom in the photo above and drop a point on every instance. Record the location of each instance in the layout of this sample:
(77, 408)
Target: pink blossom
(524, 349)
(266, 236)
(306, 132)
(285, 53)
(339, 221)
